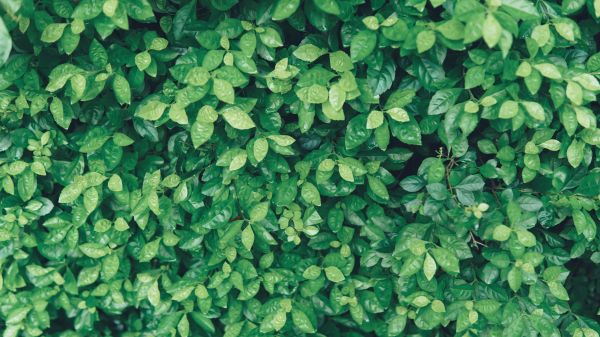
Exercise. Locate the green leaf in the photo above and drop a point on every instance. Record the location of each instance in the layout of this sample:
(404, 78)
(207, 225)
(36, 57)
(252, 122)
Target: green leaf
(248, 237)
(508, 109)
(425, 40)
(143, 60)
(446, 259)
(356, 132)
(53, 32)
(501, 233)
(5, 43)
(558, 290)
(149, 250)
(151, 109)
(328, 6)
(94, 250)
(224, 91)
(285, 8)
(60, 75)
(311, 194)
(378, 187)
(492, 30)
(340, 61)
(313, 94)
(201, 133)
(535, 110)
(26, 185)
(302, 322)
(429, 267)
(362, 45)
(238, 119)
(71, 192)
(260, 149)
(548, 70)
(309, 52)
(442, 101)
(333, 274)
(270, 38)
(521, 9)
(312, 272)
(259, 211)
(121, 89)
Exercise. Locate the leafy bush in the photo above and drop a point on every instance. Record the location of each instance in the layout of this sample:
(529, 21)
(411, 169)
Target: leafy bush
(321, 167)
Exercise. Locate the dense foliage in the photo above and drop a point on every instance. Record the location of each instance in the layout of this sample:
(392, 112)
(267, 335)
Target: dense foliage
(288, 168)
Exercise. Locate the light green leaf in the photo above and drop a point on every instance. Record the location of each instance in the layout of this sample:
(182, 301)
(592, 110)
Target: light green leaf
(333, 274)
(223, 90)
(309, 52)
(362, 45)
(151, 109)
(53, 32)
(425, 40)
(238, 119)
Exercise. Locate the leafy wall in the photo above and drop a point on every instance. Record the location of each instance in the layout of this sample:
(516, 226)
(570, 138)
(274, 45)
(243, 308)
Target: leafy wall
(289, 168)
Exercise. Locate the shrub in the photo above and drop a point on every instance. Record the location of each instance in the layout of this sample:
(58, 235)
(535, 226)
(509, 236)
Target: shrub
(321, 167)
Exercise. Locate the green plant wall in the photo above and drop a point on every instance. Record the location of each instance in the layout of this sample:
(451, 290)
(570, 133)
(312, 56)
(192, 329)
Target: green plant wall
(332, 168)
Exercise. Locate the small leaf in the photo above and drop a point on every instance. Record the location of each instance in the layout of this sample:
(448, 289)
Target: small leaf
(333, 274)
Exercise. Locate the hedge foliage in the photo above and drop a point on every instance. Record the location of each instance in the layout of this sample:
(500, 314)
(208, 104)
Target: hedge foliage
(293, 168)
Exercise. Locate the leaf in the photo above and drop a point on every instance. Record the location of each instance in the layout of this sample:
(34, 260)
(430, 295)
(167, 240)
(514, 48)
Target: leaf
(143, 60)
(271, 38)
(121, 89)
(492, 31)
(260, 149)
(548, 70)
(60, 75)
(429, 267)
(151, 109)
(149, 251)
(5, 43)
(201, 133)
(248, 237)
(238, 119)
(508, 109)
(356, 132)
(471, 183)
(223, 90)
(589, 185)
(312, 272)
(425, 40)
(94, 250)
(315, 94)
(340, 61)
(575, 153)
(70, 193)
(311, 194)
(520, 9)
(501, 233)
(558, 290)
(302, 322)
(26, 185)
(259, 211)
(535, 110)
(328, 6)
(442, 101)
(378, 187)
(309, 52)
(515, 279)
(362, 45)
(333, 274)
(53, 32)
(183, 15)
(446, 259)
(285, 8)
